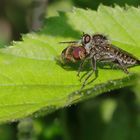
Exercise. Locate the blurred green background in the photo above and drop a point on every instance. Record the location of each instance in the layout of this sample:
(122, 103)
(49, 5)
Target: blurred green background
(110, 116)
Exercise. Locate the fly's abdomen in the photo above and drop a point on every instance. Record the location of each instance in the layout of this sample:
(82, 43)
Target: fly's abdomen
(125, 58)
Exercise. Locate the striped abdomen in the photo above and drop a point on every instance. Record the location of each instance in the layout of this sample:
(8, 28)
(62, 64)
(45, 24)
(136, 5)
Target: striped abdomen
(125, 58)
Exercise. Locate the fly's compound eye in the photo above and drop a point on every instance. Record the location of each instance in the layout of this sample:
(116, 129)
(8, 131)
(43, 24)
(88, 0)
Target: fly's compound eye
(86, 38)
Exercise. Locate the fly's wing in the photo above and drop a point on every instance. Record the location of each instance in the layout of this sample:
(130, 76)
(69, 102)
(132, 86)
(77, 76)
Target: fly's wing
(122, 51)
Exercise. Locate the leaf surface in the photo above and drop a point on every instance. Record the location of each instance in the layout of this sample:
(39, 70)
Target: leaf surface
(31, 77)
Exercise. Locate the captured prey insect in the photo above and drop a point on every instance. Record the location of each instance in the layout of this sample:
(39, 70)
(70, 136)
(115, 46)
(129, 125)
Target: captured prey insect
(73, 53)
(98, 48)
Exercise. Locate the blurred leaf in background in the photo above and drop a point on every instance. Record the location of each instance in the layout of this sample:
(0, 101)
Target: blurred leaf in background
(14, 13)
(59, 5)
(93, 4)
(109, 116)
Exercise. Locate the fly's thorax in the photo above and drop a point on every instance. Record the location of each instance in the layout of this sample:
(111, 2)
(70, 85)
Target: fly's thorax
(99, 39)
(92, 49)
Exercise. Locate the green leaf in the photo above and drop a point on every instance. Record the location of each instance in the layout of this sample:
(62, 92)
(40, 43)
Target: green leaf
(33, 79)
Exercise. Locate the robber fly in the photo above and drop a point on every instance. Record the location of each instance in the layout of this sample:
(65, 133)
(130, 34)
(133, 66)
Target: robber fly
(98, 48)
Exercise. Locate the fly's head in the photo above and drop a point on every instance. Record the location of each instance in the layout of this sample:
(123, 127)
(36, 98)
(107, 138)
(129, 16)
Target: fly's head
(94, 43)
(94, 39)
(86, 41)
(73, 53)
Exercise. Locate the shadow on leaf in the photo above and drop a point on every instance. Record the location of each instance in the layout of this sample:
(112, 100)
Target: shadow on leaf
(59, 27)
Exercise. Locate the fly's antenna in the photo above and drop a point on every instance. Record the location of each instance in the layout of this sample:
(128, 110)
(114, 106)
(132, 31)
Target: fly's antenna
(69, 42)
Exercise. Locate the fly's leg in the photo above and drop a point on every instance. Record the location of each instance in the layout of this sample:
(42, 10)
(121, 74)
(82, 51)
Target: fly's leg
(119, 63)
(107, 60)
(80, 67)
(122, 67)
(93, 63)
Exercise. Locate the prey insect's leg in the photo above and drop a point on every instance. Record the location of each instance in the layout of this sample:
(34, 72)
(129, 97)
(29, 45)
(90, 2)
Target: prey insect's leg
(80, 67)
(93, 63)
